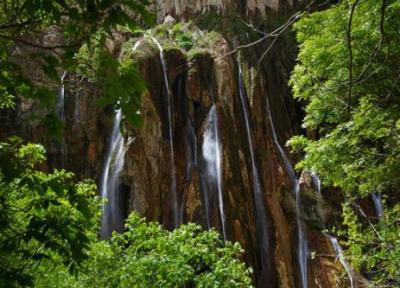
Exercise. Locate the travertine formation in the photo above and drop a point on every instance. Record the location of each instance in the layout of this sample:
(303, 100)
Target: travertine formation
(183, 8)
(197, 83)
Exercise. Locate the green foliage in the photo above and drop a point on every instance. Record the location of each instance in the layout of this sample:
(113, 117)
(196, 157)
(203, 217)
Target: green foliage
(374, 248)
(146, 255)
(350, 88)
(188, 37)
(119, 79)
(43, 215)
(183, 36)
(48, 237)
(81, 23)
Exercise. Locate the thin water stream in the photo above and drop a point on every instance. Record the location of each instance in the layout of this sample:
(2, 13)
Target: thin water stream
(302, 246)
(211, 152)
(259, 199)
(110, 181)
(339, 252)
(175, 206)
(377, 198)
(112, 214)
(60, 110)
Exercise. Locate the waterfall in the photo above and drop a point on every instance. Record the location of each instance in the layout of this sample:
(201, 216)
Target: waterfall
(317, 183)
(60, 110)
(302, 246)
(342, 259)
(259, 199)
(211, 152)
(110, 181)
(60, 106)
(377, 198)
(176, 215)
(112, 214)
(317, 186)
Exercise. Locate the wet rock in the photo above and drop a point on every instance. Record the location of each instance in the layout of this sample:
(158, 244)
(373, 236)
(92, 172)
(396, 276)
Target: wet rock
(169, 21)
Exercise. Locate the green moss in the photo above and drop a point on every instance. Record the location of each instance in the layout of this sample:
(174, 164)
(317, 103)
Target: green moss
(197, 38)
(170, 46)
(160, 31)
(128, 54)
(213, 37)
(127, 46)
(183, 35)
(196, 53)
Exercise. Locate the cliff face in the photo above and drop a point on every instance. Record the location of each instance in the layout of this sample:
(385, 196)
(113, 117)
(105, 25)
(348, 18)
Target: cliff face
(204, 154)
(202, 88)
(184, 8)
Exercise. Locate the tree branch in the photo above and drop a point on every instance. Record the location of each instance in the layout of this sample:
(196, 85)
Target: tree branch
(45, 47)
(274, 34)
(349, 39)
(378, 45)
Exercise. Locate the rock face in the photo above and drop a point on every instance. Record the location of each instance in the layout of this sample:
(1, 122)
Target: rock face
(198, 83)
(202, 80)
(184, 8)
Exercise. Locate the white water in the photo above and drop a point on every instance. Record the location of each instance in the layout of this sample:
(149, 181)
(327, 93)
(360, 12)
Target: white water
(60, 109)
(112, 215)
(302, 246)
(317, 186)
(342, 259)
(61, 99)
(377, 198)
(317, 183)
(110, 181)
(176, 215)
(259, 199)
(211, 151)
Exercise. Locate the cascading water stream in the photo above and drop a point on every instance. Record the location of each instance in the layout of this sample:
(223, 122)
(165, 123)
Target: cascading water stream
(112, 214)
(110, 181)
(61, 99)
(175, 210)
(317, 183)
(335, 243)
(211, 151)
(60, 110)
(302, 247)
(377, 198)
(259, 199)
(342, 259)
(317, 186)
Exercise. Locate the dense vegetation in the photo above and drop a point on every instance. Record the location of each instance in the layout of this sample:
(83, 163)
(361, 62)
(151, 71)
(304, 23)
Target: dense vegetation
(49, 227)
(43, 216)
(348, 76)
(84, 26)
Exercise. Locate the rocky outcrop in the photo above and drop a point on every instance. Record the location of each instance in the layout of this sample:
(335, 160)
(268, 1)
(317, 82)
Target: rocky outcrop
(254, 8)
(199, 80)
